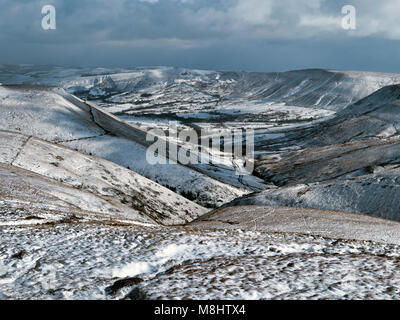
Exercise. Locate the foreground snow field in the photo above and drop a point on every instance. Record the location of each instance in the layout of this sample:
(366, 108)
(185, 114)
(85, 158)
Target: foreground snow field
(83, 215)
(83, 257)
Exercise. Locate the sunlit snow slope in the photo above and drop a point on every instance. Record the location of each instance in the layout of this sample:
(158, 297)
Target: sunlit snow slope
(45, 113)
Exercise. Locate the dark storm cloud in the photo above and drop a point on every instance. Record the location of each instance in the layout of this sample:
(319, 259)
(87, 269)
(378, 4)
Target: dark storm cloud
(214, 34)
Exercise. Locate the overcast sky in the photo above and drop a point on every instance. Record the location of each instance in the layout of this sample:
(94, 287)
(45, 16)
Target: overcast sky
(253, 35)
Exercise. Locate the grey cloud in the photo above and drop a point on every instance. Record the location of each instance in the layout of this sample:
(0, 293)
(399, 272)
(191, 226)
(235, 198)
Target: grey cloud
(214, 34)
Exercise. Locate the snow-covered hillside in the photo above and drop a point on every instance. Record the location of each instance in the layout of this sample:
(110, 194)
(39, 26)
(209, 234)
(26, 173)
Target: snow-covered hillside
(98, 185)
(83, 214)
(325, 89)
(271, 103)
(44, 113)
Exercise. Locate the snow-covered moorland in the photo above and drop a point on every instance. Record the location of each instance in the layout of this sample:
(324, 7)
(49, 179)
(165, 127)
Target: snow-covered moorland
(84, 215)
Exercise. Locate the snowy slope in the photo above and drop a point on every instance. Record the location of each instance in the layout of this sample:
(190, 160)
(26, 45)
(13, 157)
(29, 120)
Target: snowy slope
(120, 190)
(38, 111)
(323, 223)
(22, 189)
(329, 162)
(376, 116)
(376, 194)
(348, 162)
(45, 113)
